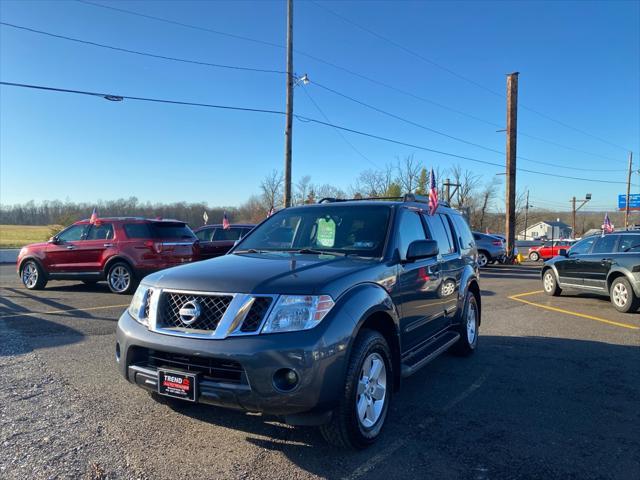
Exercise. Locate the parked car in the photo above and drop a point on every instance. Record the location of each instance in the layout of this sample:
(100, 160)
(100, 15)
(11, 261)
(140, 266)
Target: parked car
(599, 264)
(120, 250)
(216, 240)
(549, 249)
(315, 316)
(490, 249)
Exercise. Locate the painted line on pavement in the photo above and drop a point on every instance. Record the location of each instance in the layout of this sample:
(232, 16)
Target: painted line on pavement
(518, 298)
(57, 312)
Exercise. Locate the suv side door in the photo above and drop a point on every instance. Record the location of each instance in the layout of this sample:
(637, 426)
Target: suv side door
(571, 268)
(99, 240)
(599, 261)
(63, 256)
(416, 293)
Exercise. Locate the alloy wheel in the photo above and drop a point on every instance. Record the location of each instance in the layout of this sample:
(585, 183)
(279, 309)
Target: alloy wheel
(548, 281)
(119, 278)
(372, 390)
(482, 260)
(472, 323)
(30, 275)
(620, 295)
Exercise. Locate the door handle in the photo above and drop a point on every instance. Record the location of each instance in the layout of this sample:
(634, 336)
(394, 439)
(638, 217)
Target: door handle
(70, 247)
(108, 245)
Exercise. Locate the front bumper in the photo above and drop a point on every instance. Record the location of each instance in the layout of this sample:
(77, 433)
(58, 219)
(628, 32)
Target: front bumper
(318, 356)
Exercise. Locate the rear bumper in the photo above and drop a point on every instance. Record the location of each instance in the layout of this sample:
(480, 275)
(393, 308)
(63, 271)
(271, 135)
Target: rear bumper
(317, 356)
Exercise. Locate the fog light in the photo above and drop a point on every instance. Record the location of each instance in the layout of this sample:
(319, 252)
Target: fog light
(285, 379)
(117, 352)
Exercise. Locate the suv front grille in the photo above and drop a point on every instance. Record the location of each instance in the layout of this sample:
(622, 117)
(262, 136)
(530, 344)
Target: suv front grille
(212, 308)
(254, 317)
(213, 369)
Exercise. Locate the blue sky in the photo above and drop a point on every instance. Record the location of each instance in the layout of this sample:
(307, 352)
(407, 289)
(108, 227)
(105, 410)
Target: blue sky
(579, 64)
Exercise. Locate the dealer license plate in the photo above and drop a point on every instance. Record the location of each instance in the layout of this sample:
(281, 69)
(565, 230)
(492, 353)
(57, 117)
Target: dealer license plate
(176, 384)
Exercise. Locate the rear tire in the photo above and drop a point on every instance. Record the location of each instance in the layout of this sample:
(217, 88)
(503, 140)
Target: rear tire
(550, 283)
(483, 259)
(468, 328)
(534, 256)
(120, 278)
(359, 417)
(622, 296)
(32, 275)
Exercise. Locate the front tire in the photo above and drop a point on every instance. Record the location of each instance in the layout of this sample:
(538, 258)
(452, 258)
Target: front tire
(468, 329)
(120, 278)
(32, 275)
(534, 256)
(622, 296)
(362, 411)
(550, 284)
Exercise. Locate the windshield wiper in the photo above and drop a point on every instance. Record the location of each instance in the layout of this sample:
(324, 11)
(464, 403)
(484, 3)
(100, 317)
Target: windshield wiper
(313, 251)
(250, 250)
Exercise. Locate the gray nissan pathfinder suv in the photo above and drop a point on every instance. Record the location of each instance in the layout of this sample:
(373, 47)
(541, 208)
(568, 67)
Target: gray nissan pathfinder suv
(315, 316)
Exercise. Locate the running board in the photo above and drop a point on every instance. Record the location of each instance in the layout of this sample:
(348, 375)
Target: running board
(449, 339)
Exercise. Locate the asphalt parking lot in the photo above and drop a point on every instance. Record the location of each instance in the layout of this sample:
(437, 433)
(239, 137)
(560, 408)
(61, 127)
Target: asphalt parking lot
(553, 392)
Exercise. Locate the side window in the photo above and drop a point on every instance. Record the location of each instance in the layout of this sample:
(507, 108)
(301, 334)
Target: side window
(104, 231)
(439, 234)
(205, 234)
(411, 229)
(465, 237)
(137, 230)
(605, 244)
(450, 233)
(231, 234)
(629, 243)
(477, 236)
(582, 247)
(74, 233)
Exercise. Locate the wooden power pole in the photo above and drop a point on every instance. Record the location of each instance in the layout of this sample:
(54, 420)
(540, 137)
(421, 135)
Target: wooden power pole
(512, 128)
(526, 216)
(626, 209)
(289, 111)
(573, 217)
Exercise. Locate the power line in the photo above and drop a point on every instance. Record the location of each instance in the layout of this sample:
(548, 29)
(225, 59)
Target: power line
(337, 67)
(137, 52)
(114, 97)
(458, 75)
(346, 140)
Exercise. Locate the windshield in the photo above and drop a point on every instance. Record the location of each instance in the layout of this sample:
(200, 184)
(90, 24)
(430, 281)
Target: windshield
(359, 230)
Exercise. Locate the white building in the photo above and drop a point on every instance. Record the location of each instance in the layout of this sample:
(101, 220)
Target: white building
(546, 229)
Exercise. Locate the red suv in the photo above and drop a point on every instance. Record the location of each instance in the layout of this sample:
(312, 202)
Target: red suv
(549, 249)
(215, 240)
(118, 250)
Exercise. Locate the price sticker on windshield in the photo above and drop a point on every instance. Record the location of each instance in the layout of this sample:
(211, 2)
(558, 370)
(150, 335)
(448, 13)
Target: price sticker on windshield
(326, 236)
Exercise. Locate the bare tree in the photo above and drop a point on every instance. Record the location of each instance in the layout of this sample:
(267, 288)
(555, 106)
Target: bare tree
(468, 182)
(374, 183)
(302, 189)
(486, 197)
(271, 188)
(408, 171)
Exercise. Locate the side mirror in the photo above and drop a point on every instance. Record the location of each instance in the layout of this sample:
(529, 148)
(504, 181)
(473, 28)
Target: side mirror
(563, 252)
(422, 249)
(54, 240)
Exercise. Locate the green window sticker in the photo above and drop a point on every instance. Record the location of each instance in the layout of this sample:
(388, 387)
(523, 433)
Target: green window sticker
(326, 236)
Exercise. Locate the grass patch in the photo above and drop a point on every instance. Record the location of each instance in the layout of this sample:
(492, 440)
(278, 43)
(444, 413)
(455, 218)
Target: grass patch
(16, 236)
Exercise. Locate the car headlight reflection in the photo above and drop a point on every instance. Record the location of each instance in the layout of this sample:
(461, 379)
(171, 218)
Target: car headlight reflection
(297, 312)
(139, 308)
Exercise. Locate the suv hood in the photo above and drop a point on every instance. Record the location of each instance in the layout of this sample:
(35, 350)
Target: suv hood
(263, 273)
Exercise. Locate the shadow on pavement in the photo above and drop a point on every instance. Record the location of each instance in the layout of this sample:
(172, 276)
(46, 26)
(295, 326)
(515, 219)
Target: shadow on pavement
(544, 408)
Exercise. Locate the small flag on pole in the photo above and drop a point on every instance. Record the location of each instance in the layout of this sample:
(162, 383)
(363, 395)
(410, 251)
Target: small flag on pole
(94, 216)
(607, 226)
(271, 212)
(205, 217)
(433, 193)
(225, 222)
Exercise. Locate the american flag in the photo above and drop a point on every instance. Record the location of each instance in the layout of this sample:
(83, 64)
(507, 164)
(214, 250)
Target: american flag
(433, 193)
(607, 226)
(94, 216)
(225, 222)
(271, 212)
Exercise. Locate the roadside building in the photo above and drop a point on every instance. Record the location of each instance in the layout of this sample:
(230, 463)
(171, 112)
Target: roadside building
(546, 229)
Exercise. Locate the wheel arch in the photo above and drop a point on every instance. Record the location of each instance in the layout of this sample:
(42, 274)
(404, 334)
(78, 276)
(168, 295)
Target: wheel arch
(35, 259)
(614, 274)
(116, 259)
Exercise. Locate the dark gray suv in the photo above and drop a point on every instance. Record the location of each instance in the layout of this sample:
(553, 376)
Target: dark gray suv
(316, 316)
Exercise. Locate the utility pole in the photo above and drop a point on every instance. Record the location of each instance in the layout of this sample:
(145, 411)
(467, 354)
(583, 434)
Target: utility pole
(289, 110)
(447, 189)
(626, 210)
(574, 210)
(526, 216)
(512, 127)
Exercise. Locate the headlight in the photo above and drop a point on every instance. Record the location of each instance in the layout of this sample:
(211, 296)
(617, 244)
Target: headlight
(139, 308)
(297, 312)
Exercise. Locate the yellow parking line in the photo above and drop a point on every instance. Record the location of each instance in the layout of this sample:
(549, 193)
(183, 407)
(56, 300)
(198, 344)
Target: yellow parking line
(55, 312)
(569, 312)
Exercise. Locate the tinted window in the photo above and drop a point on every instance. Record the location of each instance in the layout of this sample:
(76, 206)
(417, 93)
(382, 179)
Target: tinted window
(103, 231)
(629, 243)
(477, 236)
(137, 230)
(169, 230)
(361, 230)
(605, 244)
(205, 235)
(72, 234)
(465, 237)
(447, 228)
(411, 229)
(439, 233)
(231, 234)
(582, 247)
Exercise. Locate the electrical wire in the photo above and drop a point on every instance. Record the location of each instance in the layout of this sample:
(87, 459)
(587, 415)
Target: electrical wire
(137, 52)
(346, 70)
(114, 97)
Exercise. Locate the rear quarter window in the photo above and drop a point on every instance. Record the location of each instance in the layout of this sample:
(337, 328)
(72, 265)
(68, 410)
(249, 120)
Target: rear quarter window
(167, 230)
(137, 230)
(466, 239)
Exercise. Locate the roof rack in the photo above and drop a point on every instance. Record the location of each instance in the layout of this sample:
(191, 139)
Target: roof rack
(409, 197)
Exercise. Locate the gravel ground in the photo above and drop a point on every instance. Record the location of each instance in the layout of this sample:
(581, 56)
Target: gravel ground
(548, 395)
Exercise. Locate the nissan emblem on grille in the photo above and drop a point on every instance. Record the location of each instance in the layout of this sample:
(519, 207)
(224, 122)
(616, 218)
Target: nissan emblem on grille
(189, 312)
